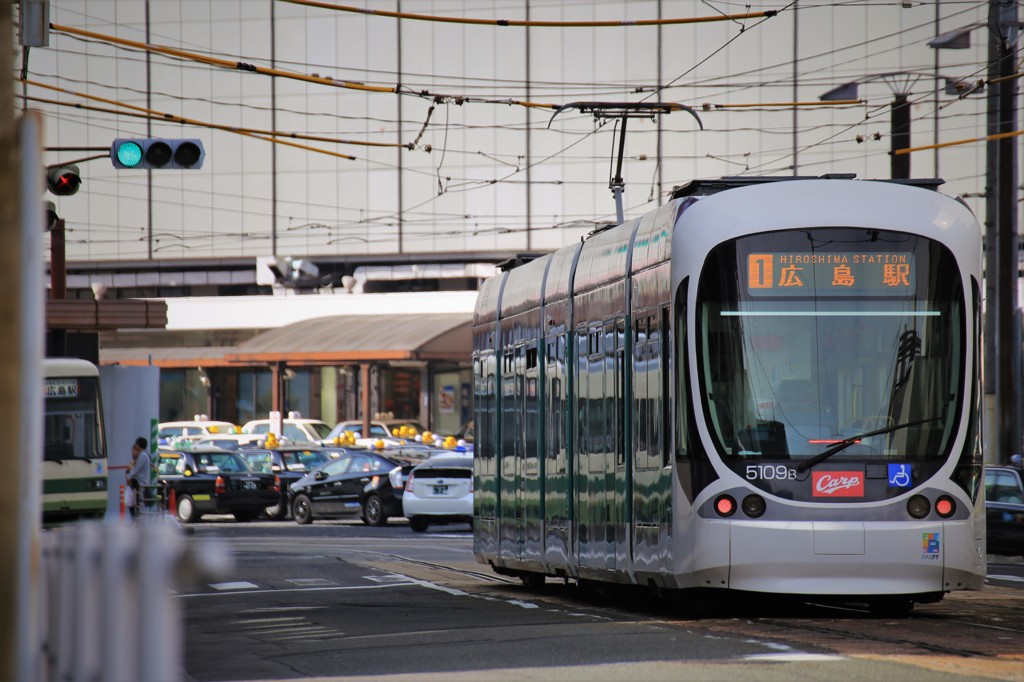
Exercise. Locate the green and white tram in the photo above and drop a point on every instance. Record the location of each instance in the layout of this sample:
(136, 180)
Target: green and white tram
(75, 448)
(765, 386)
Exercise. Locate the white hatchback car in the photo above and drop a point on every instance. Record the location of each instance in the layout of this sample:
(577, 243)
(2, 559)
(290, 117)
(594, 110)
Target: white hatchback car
(439, 490)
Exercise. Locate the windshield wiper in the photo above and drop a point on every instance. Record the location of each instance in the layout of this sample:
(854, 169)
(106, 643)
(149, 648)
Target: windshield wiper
(847, 442)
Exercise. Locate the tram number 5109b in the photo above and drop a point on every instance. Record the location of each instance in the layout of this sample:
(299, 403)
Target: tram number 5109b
(770, 472)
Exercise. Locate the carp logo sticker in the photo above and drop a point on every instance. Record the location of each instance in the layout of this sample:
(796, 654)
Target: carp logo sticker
(838, 483)
(931, 543)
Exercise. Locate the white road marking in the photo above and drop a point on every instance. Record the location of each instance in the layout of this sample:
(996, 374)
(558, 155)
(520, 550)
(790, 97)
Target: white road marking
(1011, 578)
(795, 657)
(233, 586)
(295, 589)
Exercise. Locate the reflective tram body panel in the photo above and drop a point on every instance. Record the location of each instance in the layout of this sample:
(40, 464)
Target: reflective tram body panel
(520, 510)
(485, 399)
(556, 436)
(773, 388)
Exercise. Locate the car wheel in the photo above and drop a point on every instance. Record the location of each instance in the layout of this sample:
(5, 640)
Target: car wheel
(302, 510)
(373, 511)
(277, 512)
(186, 510)
(418, 524)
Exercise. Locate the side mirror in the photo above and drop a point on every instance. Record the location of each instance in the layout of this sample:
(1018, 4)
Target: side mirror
(320, 475)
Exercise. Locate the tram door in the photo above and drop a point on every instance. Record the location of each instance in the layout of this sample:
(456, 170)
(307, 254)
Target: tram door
(513, 452)
(556, 476)
(598, 441)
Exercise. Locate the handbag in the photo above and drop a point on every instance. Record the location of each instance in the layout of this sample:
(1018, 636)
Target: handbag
(129, 496)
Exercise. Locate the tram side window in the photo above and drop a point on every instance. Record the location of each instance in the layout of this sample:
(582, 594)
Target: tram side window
(682, 402)
(654, 389)
(617, 400)
(640, 409)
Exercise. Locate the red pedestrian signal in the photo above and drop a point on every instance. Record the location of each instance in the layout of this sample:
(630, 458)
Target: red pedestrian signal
(63, 180)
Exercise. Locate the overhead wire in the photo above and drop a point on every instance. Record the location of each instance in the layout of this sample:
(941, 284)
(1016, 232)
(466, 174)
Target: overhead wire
(528, 23)
(507, 178)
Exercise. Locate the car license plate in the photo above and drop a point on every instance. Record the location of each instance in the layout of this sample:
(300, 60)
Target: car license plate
(249, 485)
(440, 490)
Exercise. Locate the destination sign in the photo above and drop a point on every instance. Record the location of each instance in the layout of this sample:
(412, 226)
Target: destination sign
(62, 388)
(830, 274)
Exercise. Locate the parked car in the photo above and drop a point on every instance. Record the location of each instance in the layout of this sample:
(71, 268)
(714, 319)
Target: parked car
(364, 482)
(379, 428)
(1004, 510)
(210, 480)
(439, 490)
(289, 463)
(191, 430)
(228, 441)
(295, 430)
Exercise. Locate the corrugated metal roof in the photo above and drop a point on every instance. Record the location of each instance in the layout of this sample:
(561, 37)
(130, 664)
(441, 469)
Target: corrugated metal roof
(349, 338)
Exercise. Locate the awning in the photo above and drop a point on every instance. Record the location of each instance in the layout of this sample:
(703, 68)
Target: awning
(338, 339)
(362, 338)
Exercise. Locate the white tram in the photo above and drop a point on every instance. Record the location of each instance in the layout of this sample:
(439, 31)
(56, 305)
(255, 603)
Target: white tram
(74, 444)
(768, 385)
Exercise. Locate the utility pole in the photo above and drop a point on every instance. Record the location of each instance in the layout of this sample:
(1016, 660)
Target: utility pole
(899, 125)
(1003, 30)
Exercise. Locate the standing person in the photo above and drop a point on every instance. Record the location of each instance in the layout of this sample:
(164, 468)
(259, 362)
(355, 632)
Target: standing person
(138, 474)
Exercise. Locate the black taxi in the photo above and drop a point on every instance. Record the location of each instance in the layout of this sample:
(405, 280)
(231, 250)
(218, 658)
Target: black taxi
(288, 462)
(211, 480)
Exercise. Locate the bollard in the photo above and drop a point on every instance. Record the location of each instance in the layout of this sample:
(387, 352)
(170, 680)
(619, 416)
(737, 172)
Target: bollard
(121, 495)
(172, 503)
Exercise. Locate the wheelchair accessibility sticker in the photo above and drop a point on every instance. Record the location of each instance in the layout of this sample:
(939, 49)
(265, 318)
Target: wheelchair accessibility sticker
(899, 476)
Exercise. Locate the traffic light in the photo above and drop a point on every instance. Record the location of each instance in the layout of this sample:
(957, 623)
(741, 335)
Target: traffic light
(157, 153)
(63, 180)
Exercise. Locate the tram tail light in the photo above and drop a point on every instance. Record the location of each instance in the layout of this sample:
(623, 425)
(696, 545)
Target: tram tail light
(918, 506)
(753, 506)
(945, 506)
(725, 505)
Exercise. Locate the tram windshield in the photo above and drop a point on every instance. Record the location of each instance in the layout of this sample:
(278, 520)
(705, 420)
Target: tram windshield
(810, 338)
(73, 422)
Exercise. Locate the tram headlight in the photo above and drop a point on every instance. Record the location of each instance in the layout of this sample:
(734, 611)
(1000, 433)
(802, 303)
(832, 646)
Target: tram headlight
(753, 506)
(945, 506)
(725, 505)
(918, 506)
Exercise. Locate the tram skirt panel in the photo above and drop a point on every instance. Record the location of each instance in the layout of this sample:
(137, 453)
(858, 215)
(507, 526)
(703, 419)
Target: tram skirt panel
(836, 558)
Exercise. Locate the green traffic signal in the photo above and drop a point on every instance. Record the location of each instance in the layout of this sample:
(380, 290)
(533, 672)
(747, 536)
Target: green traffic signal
(157, 153)
(128, 154)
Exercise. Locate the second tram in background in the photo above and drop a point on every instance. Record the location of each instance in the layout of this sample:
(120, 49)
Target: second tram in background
(767, 385)
(74, 444)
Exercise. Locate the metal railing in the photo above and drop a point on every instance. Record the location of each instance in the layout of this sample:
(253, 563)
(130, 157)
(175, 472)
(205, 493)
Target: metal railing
(107, 611)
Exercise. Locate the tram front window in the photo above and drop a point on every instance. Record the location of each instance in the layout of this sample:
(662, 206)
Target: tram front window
(807, 338)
